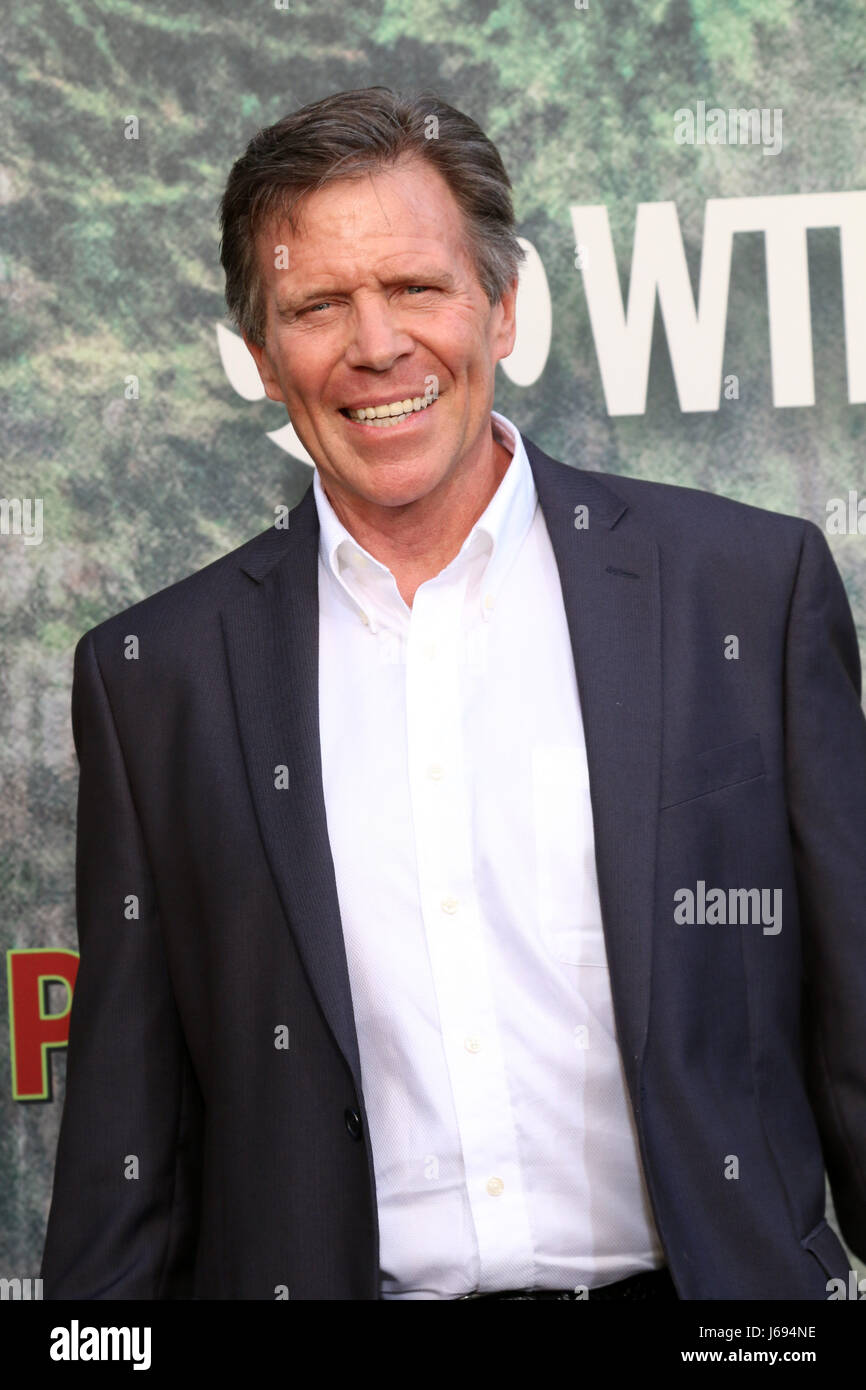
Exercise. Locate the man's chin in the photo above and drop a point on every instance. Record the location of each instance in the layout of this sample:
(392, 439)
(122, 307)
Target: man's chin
(400, 493)
(383, 483)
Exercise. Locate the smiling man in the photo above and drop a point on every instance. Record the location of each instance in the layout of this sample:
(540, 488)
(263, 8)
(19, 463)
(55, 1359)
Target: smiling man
(382, 345)
(385, 821)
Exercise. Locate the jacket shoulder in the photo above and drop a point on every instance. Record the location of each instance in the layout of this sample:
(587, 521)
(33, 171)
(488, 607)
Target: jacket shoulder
(706, 531)
(697, 531)
(674, 503)
(665, 506)
(199, 595)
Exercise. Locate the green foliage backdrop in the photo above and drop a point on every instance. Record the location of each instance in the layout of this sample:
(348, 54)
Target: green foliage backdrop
(109, 267)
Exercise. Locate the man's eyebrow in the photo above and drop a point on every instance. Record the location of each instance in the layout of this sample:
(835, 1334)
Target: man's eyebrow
(426, 275)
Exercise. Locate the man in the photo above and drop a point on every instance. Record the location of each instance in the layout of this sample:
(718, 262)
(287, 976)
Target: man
(470, 876)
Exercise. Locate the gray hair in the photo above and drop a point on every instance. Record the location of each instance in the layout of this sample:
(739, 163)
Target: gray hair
(345, 136)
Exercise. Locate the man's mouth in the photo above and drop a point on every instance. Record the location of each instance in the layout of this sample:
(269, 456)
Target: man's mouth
(384, 416)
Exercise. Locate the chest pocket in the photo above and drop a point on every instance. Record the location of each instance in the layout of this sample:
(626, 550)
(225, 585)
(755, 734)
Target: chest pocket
(569, 915)
(697, 774)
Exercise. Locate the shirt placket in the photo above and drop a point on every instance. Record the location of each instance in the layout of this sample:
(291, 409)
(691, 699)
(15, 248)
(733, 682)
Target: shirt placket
(455, 934)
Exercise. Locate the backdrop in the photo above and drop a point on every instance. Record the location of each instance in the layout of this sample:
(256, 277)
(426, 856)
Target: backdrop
(688, 180)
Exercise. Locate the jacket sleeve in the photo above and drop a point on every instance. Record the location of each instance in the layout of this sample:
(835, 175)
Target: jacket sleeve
(826, 782)
(124, 1210)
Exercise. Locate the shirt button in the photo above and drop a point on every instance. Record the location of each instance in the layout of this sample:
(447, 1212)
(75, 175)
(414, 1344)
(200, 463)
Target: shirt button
(495, 1186)
(435, 771)
(449, 905)
(488, 601)
(472, 1044)
(365, 620)
(430, 651)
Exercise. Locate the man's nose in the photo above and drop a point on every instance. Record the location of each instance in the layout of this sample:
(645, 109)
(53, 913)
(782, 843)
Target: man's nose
(377, 337)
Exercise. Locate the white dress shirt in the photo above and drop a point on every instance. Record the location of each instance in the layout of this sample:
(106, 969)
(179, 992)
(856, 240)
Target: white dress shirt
(457, 798)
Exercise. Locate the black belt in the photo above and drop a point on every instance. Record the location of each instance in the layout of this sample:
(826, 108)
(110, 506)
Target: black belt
(652, 1283)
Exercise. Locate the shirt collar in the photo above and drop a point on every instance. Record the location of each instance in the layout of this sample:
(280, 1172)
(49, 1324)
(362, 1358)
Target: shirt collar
(498, 534)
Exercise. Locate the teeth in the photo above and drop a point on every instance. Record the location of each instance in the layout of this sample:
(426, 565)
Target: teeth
(384, 415)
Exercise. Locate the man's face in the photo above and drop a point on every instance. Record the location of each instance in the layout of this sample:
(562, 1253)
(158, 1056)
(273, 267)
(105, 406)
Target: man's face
(378, 298)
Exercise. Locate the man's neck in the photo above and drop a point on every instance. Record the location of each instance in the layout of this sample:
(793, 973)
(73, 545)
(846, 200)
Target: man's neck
(418, 543)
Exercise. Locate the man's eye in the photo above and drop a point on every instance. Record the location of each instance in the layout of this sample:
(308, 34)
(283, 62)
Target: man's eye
(326, 303)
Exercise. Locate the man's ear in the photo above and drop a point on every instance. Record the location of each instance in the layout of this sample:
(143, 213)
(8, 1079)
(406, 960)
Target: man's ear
(507, 330)
(266, 372)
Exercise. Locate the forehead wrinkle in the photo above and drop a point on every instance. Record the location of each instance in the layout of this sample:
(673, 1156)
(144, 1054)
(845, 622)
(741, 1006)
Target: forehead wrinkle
(421, 261)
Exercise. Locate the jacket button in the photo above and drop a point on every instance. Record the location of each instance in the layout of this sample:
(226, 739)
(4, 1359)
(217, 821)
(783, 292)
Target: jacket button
(353, 1123)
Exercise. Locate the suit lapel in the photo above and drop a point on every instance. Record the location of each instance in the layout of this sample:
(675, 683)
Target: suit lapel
(272, 642)
(609, 574)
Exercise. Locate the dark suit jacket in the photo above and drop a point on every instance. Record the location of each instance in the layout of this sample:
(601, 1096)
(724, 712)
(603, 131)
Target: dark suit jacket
(198, 1160)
